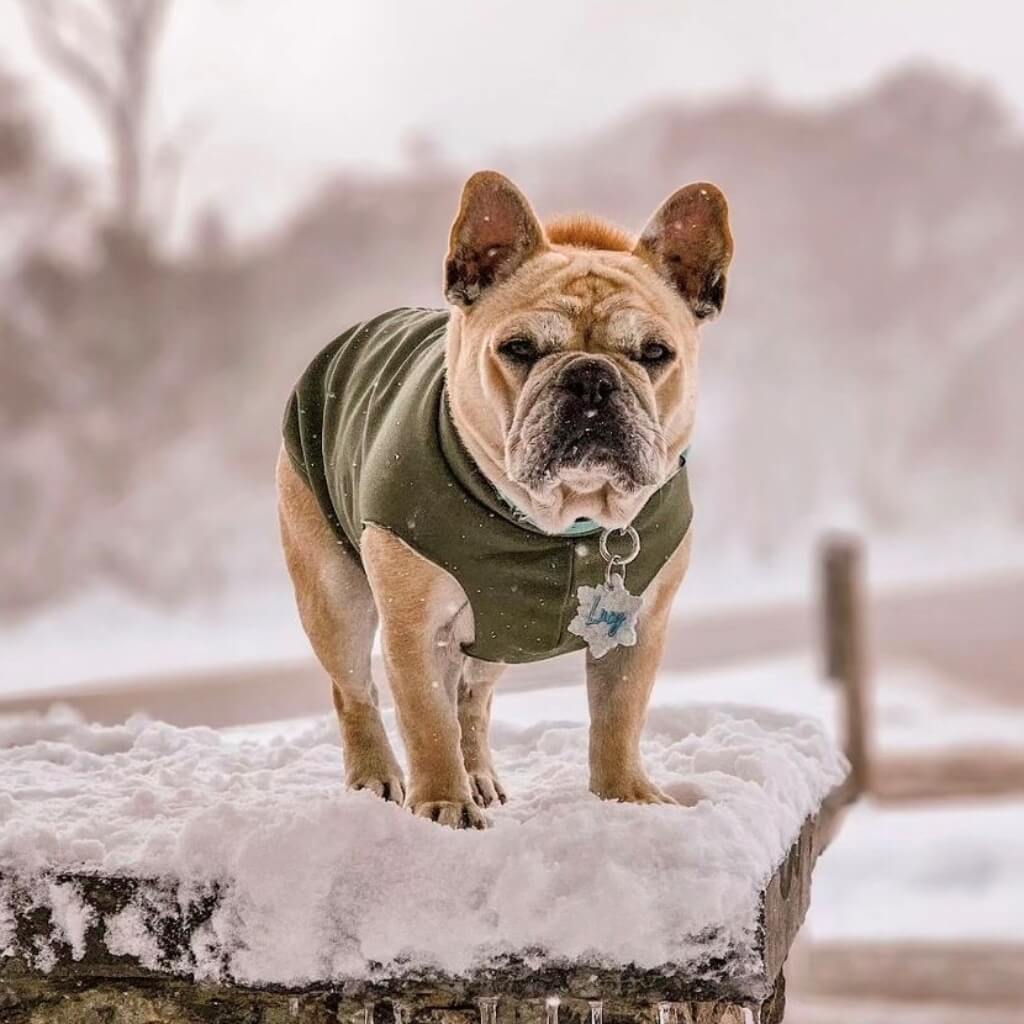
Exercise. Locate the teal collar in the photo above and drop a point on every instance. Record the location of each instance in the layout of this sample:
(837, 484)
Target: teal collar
(580, 528)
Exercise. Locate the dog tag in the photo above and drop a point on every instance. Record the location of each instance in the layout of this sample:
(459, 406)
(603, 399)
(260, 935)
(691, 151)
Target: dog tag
(608, 613)
(607, 616)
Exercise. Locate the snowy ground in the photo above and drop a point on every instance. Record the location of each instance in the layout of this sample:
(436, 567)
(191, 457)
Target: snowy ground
(953, 871)
(948, 871)
(354, 881)
(560, 870)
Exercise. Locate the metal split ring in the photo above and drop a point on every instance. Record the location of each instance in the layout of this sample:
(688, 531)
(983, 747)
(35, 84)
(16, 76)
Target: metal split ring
(625, 559)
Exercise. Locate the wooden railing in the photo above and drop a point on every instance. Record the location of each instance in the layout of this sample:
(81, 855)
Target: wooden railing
(943, 774)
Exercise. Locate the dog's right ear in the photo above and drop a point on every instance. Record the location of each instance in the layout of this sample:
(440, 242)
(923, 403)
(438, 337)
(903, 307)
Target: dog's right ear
(494, 234)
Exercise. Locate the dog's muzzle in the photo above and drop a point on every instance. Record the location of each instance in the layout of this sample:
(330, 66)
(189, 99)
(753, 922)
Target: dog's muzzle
(586, 421)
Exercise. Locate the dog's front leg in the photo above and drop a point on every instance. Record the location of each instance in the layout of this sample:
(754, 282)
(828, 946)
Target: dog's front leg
(424, 620)
(619, 688)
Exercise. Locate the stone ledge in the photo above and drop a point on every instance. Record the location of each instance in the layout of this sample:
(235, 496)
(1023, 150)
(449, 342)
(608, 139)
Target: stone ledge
(101, 987)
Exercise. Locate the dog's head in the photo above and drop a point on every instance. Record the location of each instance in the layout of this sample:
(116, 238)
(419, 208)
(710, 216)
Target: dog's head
(572, 352)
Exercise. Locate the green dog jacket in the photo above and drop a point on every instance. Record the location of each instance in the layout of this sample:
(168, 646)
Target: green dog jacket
(369, 428)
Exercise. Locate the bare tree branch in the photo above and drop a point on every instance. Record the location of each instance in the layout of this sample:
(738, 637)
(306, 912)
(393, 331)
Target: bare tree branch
(107, 53)
(91, 29)
(43, 20)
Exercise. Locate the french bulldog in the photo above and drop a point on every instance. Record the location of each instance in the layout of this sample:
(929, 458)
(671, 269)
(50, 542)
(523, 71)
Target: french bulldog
(433, 458)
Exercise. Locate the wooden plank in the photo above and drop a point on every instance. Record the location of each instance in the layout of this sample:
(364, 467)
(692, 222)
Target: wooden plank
(243, 694)
(970, 628)
(950, 774)
(968, 973)
(876, 1011)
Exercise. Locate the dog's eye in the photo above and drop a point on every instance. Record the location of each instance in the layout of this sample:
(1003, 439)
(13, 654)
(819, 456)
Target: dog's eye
(519, 350)
(653, 353)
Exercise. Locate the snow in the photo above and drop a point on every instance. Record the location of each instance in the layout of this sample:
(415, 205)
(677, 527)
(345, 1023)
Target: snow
(947, 872)
(354, 882)
(559, 870)
(952, 870)
(106, 635)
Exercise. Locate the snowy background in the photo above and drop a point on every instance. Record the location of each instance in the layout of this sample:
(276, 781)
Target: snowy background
(162, 284)
(164, 278)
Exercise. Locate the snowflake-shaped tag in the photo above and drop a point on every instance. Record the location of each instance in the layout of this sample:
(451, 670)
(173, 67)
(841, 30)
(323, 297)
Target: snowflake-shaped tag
(607, 616)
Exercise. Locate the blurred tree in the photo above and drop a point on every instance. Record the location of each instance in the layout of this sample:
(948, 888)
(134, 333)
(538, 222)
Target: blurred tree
(105, 360)
(18, 142)
(423, 153)
(211, 238)
(37, 199)
(868, 360)
(106, 50)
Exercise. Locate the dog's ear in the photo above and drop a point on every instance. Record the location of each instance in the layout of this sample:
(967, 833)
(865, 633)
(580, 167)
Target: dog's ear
(688, 243)
(494, 233)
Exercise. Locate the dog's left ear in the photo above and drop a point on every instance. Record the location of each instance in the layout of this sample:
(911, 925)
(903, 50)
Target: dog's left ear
(494, 234)
(688, 242)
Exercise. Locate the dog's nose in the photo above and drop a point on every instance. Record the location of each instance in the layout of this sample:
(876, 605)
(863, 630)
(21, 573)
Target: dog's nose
(590, 380)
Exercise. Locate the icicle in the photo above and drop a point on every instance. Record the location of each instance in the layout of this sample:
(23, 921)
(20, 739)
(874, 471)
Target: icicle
(596, 1011)
(552, 1003)
(488, 1010)
(367, 1013)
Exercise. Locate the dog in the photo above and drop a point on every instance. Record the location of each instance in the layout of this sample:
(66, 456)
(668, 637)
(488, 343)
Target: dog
(475, 481)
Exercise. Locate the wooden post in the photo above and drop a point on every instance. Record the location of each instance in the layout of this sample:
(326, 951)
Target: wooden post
(844, 646)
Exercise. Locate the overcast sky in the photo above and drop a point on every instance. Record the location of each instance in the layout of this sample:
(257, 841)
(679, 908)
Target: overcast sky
(278, 93)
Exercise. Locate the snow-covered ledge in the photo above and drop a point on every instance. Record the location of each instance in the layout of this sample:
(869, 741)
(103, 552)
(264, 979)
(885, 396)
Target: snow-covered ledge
(191, 875)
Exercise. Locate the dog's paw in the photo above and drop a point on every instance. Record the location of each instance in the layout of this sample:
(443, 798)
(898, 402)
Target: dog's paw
(453, 813)
(387, 783)
(486, 788)
(632, 789)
